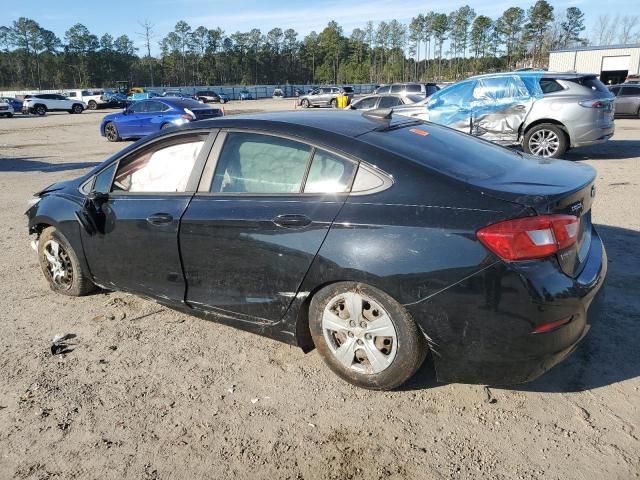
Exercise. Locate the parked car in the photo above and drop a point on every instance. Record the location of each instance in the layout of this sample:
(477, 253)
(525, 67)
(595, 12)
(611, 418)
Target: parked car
(371, 102)
(632, 78)
(546, 113)
(180, 94)
(42, 103)
(14, 102)
(149, 116)
(6, 110)
(335, 230)
(424, 89)
(246, 95)
(325, 96)
(93, 98)
(627, 102)
(209, 96)
(114, 99)
(136, 97)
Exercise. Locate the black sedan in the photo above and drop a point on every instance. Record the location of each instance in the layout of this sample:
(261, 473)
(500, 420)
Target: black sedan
(372, 238)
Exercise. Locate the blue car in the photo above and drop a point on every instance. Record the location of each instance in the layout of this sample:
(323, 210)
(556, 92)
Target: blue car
(246, 95)
(14, 102)
(150, 116)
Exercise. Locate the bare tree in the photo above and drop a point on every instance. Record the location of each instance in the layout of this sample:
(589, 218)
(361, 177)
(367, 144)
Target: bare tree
(627, 29)
(147, 35)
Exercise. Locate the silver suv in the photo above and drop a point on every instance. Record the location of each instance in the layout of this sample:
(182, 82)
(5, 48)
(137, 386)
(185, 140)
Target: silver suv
(627, 100)
(546, 113)
(325, 96)
(424, 89)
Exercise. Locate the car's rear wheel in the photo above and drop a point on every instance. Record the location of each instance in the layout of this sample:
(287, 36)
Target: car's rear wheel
(333, 103)
(305, 103)
(546, 140)
(92, 105)
(61, 266)
(365, 336)
(40, 110)
(111, 132)
(77, 108)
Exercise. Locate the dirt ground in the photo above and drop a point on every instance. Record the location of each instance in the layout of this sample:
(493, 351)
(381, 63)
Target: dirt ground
(149, 393)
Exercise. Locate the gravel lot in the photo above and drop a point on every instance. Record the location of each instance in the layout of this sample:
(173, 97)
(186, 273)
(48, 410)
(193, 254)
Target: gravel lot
(150, 393)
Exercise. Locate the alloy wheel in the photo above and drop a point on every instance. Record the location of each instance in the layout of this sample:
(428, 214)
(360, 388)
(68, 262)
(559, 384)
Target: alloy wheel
(359, 332)
(111, 132)
(544, 143)
(58, 264)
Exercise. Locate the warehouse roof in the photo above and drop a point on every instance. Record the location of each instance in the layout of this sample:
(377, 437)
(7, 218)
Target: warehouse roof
(598, 47)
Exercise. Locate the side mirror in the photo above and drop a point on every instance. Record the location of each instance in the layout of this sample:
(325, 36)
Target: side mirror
(97, 197)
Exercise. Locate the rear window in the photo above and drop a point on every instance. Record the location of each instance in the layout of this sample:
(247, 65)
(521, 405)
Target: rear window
(450, 152)
(590, 82)
(347, 89)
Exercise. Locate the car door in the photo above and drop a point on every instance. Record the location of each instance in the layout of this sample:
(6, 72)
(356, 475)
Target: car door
(149, 119)
(62, 103)
(129, 123)
(139, 200)
(452, 106)
(499, 106)
(263, 208)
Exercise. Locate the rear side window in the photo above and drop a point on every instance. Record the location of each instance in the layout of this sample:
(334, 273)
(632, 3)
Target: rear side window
(329, 174)
(388, 102)
(397, 88)
(254, 163)
(385, 89)
(548, 85)
(413, 88)
(164, 169)
(630, 92)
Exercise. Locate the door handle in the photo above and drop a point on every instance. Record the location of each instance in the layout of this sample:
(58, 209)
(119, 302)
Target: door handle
(292, 220)
(160, 219)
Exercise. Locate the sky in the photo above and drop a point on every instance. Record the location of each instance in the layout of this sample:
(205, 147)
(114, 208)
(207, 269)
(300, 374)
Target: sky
(119, 17)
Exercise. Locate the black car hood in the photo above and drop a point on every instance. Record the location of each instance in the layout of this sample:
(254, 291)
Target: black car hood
(54, 187)
(535, 182)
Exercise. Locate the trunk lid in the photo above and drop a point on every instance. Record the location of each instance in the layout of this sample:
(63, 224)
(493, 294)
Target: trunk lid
(551, 186)
(207, 113)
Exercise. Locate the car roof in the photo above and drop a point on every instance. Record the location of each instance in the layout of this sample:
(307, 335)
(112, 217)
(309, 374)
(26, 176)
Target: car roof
(340, 123)
(535, 73)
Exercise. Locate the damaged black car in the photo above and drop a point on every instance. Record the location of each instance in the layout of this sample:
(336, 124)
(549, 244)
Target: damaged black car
(374, 238)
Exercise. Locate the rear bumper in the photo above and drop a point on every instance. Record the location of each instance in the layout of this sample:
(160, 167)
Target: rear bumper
(480, 331)
(592, 136)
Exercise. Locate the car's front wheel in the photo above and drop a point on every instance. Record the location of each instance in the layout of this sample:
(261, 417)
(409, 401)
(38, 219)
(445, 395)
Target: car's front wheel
(546, 140)
(61, 266)
(76, 108)
(365, 336)
(305, 103)
(111, 132)
(93, 105)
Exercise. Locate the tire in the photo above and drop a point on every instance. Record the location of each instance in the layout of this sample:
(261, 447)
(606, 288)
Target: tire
(75, 280)
(40, 110)
(546, 140)
(111, 132)
(76, 108)
(92, 105)
(333, 103)
(396, 357)
(638, 114)
(9, 115)
(305, 103)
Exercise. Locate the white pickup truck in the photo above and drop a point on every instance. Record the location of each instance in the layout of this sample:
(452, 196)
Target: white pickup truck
(92, 97)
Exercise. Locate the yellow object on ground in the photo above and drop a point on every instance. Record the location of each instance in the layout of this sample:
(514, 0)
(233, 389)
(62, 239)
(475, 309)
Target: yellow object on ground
(342, 101)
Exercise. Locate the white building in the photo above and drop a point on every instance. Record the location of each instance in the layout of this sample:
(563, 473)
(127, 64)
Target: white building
(612, 62)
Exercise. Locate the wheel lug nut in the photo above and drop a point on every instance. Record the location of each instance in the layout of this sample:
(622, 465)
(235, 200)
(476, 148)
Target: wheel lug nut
(367, 336)
(352, 324)
(359, 342)
(363, 324)
(350, 334)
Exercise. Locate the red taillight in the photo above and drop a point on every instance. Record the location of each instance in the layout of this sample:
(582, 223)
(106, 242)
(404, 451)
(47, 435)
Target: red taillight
(594, 104)
(547, 327)
(186, 117)
(530, 237)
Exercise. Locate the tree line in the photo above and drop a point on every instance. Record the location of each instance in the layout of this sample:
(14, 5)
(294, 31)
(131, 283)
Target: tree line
(433, 46)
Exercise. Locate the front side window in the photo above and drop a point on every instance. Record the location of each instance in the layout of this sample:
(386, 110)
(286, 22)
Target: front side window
(329, 174)
(253, 163)
(630, 92)
(165, 169)
(365, 103)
